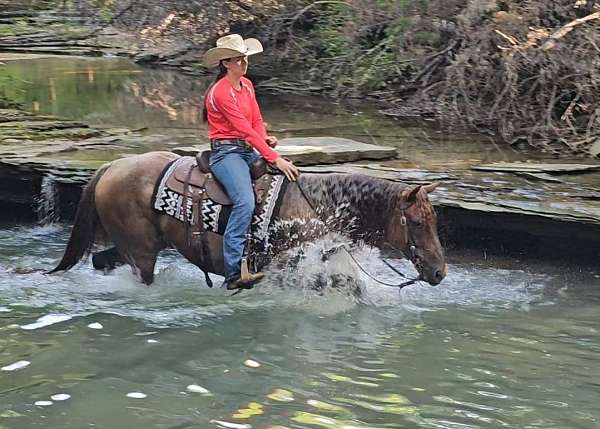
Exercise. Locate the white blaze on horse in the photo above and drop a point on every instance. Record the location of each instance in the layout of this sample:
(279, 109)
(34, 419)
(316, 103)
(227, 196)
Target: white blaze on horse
(118, 205)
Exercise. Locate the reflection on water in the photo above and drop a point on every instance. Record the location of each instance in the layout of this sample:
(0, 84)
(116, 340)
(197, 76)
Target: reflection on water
(104, 92)
(109, 92)
(488, 348)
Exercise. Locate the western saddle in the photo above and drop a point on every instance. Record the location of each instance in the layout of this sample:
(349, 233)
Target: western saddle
(193, 179)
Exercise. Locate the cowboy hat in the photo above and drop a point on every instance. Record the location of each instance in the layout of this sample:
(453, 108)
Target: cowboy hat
(231, 46)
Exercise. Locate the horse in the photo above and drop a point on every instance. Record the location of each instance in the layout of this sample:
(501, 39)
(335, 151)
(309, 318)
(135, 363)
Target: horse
(115, 207)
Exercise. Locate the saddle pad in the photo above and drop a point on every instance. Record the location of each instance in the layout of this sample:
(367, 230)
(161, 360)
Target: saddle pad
(214, 215)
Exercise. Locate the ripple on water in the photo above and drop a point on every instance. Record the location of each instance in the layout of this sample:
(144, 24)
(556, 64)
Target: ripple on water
(95, 325)
(231, 425)
(252, 409)
(281, 395)
(60, 397)
(16, 366)
(194, 388)
(329, 422)
(47, 320)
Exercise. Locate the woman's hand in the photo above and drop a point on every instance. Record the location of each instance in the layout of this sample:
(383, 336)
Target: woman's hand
(287, 168)
(272, 141)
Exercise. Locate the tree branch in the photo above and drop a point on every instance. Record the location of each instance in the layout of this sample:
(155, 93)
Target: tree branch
(566, 29)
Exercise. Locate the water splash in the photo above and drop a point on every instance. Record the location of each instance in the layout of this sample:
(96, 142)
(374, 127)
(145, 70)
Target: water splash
(179, 296)
(47, 209)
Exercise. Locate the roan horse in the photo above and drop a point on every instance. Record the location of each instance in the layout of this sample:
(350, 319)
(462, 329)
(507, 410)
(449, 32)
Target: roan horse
(115, 206)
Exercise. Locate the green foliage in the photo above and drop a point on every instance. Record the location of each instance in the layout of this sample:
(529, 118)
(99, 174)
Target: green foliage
(361, 46)
(372, 72)
(20, 26)
(333, 42)
(329, 31)
(106, 9)
(7, 30)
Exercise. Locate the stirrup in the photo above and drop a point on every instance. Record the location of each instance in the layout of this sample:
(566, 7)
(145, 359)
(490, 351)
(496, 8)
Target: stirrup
(247, 279)
(246, 276)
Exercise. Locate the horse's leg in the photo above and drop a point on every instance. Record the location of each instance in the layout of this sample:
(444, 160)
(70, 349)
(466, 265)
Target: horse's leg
(107, 260)
(143, 263)
(137, 241)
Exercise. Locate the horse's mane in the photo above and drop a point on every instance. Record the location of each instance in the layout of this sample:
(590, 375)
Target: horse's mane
(423, 205)
(361, 194)
(333, 190)
(363, 201)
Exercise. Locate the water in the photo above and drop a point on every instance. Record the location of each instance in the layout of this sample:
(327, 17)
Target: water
(489, 348)
(116, 92)
(47, 202)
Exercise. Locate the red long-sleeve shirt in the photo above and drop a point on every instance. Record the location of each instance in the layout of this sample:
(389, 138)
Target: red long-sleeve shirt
(234, 113)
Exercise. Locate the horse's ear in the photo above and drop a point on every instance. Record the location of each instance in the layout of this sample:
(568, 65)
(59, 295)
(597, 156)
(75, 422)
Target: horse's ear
(410, 195)
(431, 187)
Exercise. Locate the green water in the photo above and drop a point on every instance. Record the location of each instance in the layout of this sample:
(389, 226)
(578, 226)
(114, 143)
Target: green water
(115, 92)
(489, 348)
(499, 344)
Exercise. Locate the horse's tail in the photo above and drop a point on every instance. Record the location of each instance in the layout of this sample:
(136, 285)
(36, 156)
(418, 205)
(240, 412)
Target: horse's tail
(84, 228)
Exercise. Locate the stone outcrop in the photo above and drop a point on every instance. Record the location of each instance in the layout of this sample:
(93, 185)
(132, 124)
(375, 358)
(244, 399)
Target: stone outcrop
(319, 150)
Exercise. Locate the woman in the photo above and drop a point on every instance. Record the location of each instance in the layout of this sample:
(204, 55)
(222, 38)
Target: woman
(238, 137)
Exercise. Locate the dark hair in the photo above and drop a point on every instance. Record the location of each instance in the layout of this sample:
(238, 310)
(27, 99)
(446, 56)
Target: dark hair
(222, 73)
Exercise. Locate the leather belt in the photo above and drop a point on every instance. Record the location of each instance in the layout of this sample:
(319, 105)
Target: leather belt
(233, 141)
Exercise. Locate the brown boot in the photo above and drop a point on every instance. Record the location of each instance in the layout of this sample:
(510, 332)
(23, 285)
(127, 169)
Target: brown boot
(246, 281)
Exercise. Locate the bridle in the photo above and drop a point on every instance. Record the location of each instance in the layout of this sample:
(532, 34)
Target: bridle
(409, 242)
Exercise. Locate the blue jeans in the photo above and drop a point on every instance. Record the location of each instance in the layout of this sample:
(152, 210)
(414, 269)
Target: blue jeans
(231, 166)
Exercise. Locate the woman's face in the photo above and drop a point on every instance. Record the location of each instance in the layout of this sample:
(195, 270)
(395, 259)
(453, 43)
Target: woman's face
(237, 65)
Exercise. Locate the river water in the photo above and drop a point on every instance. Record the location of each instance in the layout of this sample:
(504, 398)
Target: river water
(504, 344)
(488, 348)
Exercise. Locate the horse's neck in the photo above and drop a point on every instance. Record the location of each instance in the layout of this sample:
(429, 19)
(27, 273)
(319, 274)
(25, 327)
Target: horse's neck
(350, 202)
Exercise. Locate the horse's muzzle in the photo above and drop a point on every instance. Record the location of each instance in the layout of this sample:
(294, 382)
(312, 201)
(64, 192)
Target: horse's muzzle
(435, 275)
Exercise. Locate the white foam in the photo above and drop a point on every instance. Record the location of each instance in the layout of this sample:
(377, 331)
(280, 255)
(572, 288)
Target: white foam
(17, 365)
(95, 325)
(47, 320)
(152, 341)
(60, 397)
(194, 388)
(43, 403)
(136, 395)
(5, 310)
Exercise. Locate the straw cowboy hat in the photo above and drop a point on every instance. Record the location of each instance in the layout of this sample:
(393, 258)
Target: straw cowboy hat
(231, 46)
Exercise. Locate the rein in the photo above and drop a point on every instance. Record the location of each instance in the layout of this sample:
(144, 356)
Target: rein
(330, 252)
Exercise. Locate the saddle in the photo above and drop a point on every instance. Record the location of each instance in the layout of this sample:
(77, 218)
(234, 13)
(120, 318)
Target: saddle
(193, 178)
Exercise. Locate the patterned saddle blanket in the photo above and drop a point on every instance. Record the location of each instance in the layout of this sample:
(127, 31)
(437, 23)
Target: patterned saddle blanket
(189, 195)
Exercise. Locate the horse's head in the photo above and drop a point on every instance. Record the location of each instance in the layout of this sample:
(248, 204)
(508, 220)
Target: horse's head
(412, 229)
